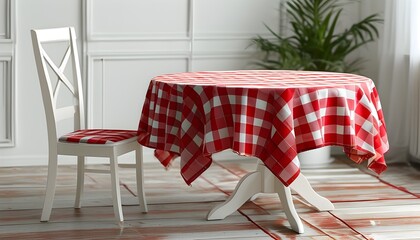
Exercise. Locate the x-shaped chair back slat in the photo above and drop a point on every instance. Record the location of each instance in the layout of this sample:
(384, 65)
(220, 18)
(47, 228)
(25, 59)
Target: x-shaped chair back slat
(62, 79)
(50, 91)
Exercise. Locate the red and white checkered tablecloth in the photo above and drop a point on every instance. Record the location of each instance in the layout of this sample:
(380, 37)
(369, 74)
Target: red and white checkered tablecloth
(272, 115)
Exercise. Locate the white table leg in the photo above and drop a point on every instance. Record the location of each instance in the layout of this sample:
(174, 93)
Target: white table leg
(302, 187)
(247, 187)
(288, 207)
(263, 181)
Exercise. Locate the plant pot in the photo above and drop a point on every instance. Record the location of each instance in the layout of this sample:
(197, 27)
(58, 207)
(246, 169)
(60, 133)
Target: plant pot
(315, 157)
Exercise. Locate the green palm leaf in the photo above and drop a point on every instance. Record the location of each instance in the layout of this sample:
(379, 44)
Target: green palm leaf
(316, 43)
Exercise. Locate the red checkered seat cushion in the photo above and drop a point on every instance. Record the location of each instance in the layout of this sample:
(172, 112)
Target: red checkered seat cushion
(98, 136)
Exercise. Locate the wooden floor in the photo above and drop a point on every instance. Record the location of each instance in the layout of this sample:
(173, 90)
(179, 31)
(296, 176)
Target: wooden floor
(367, 207)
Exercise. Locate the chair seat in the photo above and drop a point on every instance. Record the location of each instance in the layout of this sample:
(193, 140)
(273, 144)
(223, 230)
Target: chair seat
(98, 136)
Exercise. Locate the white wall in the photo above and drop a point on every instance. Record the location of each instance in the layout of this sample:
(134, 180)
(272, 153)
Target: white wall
(124, 43)
(371, 51)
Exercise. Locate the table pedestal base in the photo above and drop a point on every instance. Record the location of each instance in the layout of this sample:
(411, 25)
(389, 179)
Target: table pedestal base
(263, 181)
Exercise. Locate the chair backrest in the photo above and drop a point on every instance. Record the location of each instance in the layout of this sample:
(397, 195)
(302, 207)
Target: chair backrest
(51, 90)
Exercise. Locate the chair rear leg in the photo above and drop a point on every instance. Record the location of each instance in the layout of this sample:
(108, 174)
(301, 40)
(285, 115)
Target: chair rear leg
(51, 183)
(115, 186)
(140, 179)
(80, 181)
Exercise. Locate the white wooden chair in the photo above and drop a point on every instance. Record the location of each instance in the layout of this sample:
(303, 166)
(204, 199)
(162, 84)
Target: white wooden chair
(82, 142)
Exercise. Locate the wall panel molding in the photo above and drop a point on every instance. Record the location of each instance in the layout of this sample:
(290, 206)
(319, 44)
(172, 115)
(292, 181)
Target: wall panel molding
(115, 37)
(115, 54)
(7, 76)
(94, 35)
(5, 19)
(99, 64)
(6, 100)
(231, 36)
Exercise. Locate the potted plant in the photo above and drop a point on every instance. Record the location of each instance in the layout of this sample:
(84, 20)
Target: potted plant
(316, 44)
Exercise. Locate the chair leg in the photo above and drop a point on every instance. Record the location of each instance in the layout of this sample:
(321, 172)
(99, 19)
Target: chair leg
(115, 185)
(80, 180)
(140, 179)
(51, 183)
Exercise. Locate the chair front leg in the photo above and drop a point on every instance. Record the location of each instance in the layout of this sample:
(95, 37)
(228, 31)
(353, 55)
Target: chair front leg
(115, 185)
(51, 183)
(80, 180)
(140, 179)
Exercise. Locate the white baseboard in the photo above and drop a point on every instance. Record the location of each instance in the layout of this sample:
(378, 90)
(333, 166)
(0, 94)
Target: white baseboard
(148, 156)
(31, 160)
